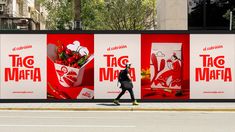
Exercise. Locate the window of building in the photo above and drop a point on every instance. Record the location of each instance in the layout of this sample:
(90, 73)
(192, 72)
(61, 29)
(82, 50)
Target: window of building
(209, 14)
(196, 11)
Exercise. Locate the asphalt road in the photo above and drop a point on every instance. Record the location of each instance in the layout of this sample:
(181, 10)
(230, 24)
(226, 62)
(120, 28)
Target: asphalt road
(74, 121)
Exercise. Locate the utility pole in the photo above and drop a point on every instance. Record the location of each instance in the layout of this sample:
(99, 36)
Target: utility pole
(231, 13)
(231, 21)
(77, 17)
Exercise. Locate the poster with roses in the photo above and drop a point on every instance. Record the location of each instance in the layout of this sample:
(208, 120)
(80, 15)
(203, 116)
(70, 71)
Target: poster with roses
(70, 66)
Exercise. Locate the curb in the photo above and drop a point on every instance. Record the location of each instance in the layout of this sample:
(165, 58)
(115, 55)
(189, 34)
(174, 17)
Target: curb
(128, 109)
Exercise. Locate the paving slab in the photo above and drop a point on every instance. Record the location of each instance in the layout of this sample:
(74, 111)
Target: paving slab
(122, 107)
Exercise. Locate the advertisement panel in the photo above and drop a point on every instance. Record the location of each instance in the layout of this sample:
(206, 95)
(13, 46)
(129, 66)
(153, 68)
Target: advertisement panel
(86, 66)
(70, 66)
(112, 52)
(23, 66)
(164, 66)
(212, 66)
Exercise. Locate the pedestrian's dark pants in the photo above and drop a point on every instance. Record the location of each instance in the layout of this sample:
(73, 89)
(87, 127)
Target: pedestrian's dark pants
(123, 92)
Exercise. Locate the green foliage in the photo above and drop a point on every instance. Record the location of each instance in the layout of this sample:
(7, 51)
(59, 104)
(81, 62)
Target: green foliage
(60, 14)
(101, 15)
(118, 14)
(92, 15)
(130, 14)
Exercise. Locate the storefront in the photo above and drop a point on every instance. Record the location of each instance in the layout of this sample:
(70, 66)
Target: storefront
(14, 23)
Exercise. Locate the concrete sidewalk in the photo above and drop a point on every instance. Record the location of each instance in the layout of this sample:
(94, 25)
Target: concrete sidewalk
(229, 107)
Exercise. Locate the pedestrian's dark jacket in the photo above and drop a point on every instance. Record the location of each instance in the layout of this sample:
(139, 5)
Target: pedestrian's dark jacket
(125, 76)
(125, 80)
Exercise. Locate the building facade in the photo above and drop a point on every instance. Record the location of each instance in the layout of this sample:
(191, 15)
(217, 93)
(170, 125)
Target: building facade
(22, 15)
(172, 15)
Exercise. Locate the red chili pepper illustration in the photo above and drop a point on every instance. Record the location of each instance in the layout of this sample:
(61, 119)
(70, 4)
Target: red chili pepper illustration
(150, 94)
(155, 64)
(57, 94)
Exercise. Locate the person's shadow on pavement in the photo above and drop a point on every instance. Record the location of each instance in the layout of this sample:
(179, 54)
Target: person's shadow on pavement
(105, 104)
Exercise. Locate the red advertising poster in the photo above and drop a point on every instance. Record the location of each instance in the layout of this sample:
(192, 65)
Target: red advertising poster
(70, 66)
(164, 66)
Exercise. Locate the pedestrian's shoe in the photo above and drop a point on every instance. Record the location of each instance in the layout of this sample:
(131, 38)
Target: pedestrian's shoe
(116, 102)
(135, 103)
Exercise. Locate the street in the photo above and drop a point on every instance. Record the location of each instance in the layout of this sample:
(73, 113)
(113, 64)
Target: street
(115, 121)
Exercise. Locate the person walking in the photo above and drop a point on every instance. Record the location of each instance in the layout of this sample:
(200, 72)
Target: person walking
(126, 85)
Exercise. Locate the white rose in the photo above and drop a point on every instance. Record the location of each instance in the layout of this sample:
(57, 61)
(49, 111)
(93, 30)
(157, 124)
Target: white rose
(83, 51)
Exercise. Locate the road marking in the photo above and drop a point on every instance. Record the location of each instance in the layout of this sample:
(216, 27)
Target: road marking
(41, 117)
(76, 126)
(94, 111)
(127, 109)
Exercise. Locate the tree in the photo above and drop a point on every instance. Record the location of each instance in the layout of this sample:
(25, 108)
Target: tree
(60, 14)
(119, 14)
(102, 14)
(77, 14)
(130, 14)
(92, 15)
